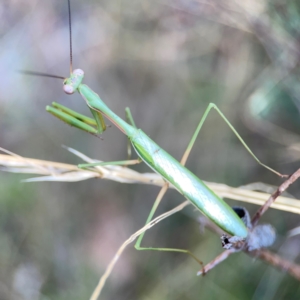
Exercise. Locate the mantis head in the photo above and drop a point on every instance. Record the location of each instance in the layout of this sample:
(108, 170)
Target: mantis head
(72, 83)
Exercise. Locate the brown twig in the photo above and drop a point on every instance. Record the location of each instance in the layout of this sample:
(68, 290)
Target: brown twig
(276, 194)
(277, 261)
(216, 261)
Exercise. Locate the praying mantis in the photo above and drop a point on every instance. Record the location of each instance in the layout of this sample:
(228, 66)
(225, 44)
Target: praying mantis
(173, 172)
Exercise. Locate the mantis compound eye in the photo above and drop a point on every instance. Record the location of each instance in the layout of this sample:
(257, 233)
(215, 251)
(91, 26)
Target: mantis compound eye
(68, 89)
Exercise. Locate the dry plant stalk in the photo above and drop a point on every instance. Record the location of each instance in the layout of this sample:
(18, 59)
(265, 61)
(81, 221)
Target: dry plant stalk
(54, 171)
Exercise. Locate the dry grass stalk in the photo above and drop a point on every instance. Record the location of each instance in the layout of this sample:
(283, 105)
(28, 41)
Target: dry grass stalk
(54, 171)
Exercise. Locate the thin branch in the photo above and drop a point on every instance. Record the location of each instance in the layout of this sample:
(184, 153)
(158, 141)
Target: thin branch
(224, 255)
(275, 195)
(277, 261)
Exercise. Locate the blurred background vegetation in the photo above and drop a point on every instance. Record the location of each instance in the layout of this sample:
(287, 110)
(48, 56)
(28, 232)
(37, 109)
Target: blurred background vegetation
(166, 61)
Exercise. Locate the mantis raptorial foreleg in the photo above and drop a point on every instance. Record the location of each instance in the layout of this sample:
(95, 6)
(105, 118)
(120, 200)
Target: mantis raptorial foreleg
(95, 126)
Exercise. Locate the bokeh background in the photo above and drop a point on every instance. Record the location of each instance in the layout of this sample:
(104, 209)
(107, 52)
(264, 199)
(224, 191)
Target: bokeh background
(166, 61)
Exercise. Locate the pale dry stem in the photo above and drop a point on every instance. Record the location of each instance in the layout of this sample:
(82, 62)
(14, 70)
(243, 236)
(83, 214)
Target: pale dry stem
(54, 171)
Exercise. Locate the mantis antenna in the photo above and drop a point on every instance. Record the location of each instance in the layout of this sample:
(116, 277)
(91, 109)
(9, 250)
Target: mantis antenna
(70, 37)
(34, 73)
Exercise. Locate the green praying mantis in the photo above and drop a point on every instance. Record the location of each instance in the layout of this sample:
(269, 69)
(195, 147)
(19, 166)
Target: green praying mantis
(172, 171)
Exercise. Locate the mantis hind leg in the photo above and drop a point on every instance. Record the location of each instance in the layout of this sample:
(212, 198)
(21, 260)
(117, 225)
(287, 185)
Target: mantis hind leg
(207, 111)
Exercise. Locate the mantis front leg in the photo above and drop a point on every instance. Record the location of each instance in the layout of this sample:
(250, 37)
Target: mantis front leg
(71, 117)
